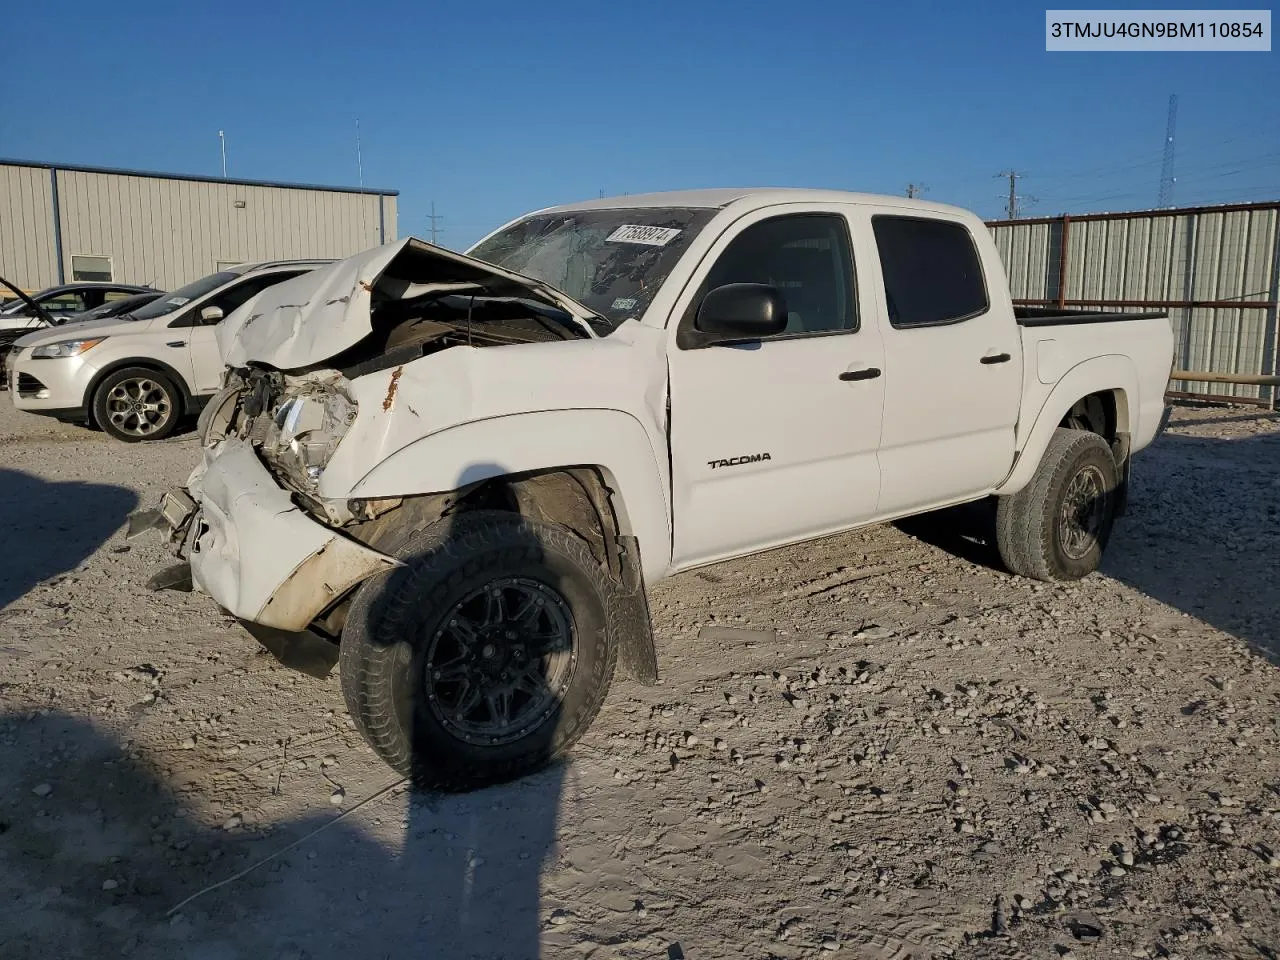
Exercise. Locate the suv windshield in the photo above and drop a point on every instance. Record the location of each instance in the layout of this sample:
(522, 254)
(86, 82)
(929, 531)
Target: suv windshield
(182, 296)
(611, 261)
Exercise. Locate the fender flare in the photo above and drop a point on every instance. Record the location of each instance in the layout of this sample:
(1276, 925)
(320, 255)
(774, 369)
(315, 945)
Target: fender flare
(613, 441)
(1111, 373)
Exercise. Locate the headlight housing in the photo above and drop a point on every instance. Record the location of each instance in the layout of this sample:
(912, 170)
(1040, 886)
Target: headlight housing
(64, 348)
(309, 427)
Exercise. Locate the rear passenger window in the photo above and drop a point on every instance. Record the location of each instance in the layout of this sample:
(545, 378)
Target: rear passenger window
(932, 274)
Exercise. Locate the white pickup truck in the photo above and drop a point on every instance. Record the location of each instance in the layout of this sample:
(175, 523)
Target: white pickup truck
(454, 475)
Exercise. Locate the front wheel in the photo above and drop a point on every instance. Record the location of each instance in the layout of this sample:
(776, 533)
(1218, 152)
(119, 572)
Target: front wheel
(137, 404)
(1057, 526)
(485, 656)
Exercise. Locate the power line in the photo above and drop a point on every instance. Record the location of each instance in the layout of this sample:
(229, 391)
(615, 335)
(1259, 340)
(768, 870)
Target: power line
(1189, 178)
(1165, 198)
(1118, 165)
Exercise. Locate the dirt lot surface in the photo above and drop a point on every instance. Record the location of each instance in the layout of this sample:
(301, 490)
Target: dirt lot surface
(878, 745)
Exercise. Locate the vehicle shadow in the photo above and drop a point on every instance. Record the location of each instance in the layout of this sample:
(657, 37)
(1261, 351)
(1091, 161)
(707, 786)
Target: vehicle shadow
(1200, 535)
(966, 531)
(96, 851)
(53, 526)
(1203, 531)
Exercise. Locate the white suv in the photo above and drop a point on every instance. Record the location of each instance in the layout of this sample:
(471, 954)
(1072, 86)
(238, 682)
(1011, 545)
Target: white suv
(137, 375)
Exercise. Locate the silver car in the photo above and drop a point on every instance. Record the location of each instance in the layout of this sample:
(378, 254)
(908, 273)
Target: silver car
(137, 375)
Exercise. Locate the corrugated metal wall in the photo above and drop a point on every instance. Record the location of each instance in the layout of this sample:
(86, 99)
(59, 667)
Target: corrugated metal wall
(27, 256)
(1167, 260)
(169, 231)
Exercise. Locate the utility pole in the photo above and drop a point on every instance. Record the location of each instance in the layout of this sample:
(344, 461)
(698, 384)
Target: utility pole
(1014, 209)
(433, 217)
(222, 143)
(915, 189)
(1167, 179)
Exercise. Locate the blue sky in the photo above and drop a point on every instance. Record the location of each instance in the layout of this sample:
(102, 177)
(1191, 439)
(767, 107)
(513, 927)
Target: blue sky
(494, 108)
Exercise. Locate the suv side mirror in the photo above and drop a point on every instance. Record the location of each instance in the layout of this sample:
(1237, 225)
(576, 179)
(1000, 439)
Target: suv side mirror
(741, 311)
(211, 314)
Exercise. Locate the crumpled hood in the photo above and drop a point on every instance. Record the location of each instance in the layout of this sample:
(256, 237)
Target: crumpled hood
(306, 320)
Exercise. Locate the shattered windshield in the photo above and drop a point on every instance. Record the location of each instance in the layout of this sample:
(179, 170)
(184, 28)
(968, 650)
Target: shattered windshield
(612, 261)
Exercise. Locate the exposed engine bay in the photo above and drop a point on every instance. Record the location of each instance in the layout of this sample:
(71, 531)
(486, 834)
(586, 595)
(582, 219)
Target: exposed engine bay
(404, 330)
(295, 420)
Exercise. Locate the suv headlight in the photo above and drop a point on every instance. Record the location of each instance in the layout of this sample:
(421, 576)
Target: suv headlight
(64, 348)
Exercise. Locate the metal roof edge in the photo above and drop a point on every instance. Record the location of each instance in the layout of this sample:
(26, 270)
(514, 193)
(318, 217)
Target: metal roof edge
(1149, 212)
(197, 178)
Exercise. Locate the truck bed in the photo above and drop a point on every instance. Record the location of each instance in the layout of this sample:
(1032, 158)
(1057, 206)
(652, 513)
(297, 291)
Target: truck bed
(1061, 316)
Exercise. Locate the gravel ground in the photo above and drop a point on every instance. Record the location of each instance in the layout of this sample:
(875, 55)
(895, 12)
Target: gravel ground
(878, 744)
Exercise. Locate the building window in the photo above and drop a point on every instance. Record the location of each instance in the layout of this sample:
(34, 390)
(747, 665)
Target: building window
(90, 268)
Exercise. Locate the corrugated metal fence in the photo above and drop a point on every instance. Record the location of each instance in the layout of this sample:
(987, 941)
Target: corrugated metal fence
(1215, 270)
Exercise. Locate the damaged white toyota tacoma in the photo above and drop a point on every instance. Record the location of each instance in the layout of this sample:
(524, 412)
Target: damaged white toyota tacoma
(454, 475)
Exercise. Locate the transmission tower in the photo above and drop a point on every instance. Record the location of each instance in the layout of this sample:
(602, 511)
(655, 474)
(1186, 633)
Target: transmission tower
(1167, 179)
(433, 217)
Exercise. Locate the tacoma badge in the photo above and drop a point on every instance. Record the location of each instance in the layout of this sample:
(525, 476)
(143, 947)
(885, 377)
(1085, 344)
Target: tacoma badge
(735, 461)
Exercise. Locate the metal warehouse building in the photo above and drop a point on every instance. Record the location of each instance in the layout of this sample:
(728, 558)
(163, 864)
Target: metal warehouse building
(60, 223)
(1214, 270)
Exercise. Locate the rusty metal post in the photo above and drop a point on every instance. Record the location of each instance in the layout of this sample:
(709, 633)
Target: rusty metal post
(1275, 362)
(1206, 376)
(1062, 263)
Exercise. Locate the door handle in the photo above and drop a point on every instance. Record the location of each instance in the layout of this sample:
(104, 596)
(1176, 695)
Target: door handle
(996, 358)
(868, 373)
(176, 343)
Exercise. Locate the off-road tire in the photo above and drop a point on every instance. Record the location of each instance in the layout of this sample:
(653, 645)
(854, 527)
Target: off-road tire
(162, 382)
(393, 617)
(1029, 535)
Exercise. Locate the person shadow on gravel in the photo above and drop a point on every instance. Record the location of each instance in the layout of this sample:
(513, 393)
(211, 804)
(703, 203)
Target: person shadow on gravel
(96, 850)
(51, 527)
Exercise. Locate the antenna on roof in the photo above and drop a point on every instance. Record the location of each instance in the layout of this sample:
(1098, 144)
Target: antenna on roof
(359, 161)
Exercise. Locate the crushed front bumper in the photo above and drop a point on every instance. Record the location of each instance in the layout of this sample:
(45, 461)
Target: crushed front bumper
(252, 549)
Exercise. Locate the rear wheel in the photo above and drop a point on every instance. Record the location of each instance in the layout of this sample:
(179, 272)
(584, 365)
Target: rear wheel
(137, 404)
(1058, 525)
(483, 658)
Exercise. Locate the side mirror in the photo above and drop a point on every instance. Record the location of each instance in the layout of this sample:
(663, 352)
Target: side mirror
(211, 314)
(741, 311)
